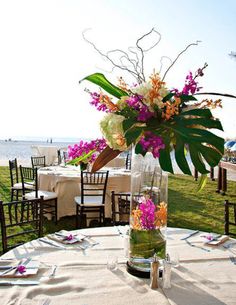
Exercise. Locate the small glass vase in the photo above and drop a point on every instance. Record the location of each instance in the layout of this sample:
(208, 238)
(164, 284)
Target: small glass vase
(148, 214)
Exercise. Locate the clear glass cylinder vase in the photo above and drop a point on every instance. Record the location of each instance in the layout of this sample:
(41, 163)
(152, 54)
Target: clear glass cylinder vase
(148, 213)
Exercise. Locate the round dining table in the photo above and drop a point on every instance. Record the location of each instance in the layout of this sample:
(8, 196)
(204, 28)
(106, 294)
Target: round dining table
(65, 182)
(78, 273)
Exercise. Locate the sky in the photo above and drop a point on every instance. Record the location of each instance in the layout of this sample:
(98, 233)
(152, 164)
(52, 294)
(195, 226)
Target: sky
(43, 56)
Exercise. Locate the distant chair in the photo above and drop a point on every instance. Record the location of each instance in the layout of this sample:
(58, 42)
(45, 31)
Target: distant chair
(62, 156)
(38, 162)
(128, 161)
(59, 158)
(29, 175)
(120, 204)
(92, 198)
(65, 156)
(16, 186)
(230, 217)
(24, 215)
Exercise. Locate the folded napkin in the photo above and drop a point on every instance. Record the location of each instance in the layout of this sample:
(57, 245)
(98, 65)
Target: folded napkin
(25, 268)
(214, 239)
(66, 237)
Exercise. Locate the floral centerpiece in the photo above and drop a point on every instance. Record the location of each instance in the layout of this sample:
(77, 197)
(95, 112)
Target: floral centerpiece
(156, 120)
(85, 153)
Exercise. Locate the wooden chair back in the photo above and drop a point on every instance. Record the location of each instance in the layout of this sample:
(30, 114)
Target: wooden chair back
(13, 171)
(128, 161)
(38, 162)
(94, 184)
(23, 217)
(29, 178)
(230, 217)
(120, 203)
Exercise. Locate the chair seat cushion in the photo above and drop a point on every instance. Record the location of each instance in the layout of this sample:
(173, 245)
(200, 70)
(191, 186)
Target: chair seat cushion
(90, 201)
(30, 185)
(46, 195)
(17, 186)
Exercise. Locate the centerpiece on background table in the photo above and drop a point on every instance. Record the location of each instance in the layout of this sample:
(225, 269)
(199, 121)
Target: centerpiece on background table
(155, 120)
(85, 153)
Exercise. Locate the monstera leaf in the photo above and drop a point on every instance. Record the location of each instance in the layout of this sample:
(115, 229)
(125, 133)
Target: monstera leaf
(189, 129)
(100, 80)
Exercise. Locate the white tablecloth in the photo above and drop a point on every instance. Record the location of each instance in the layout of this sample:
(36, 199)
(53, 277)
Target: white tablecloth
(65, 181)
(203, 278)
(50, 153)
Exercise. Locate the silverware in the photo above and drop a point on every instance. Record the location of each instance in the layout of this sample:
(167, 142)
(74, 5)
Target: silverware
(52, 244)
(229, 245)
(189, 235)
(199, 247)
(46, 302)
(233, 259)
(53, 272)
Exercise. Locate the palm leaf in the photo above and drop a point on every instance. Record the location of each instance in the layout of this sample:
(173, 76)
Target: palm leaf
(191, 132)
(100, 80)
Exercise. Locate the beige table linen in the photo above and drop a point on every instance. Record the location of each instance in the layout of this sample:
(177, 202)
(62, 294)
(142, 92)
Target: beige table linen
(203, 278)
(65, 181)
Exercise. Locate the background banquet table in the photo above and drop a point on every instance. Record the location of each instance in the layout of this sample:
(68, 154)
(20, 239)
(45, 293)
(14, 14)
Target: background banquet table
(82, 277)
(65, 181)
(50, 153)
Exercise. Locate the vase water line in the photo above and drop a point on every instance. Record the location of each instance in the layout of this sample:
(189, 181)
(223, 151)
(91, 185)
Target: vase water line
(148, 214)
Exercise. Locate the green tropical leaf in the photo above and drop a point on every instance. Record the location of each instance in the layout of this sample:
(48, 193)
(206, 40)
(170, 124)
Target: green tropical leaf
(127, 123)
(192, 132)
(128, 112)
(180, 156)
(100, 80)
(197, 160)
(133, 134)
(165, 158)
(206, 122)
(197, 112)
(139, 149)
(82, 158)
(186, 98)
(168, 97)
(202, 182)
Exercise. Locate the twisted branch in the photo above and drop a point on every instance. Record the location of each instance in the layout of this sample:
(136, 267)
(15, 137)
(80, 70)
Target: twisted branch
(178, 56)
(137, 64)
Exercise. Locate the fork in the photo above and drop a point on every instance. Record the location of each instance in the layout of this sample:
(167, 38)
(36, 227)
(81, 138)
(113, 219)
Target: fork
(46, 302)
(53, 272)
(233, 259)
(199, 247)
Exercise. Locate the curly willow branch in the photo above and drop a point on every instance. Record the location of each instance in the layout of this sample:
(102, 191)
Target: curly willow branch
(178, 56)
(161, 62)
(108, 58)
(136, 68)
(142, 50)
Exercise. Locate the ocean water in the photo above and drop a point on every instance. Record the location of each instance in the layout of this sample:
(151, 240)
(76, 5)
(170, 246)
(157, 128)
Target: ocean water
(22, 150)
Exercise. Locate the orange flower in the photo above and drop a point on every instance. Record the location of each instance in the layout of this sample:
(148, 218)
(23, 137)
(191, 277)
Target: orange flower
(105, 99)
(206, 103)
(171, 108)
(161, 215)
(157, 84)
(136, 214)
(122, 85)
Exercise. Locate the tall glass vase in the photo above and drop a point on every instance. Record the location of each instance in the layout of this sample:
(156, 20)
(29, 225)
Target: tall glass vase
(148, 214)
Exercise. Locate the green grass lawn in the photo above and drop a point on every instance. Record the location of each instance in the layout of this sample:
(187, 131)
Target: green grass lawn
(186, 207)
